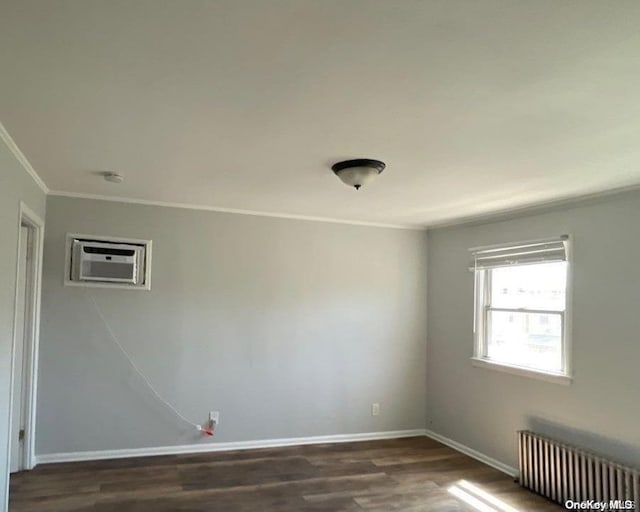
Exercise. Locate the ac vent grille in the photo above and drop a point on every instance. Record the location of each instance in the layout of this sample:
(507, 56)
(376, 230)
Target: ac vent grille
(109, 262)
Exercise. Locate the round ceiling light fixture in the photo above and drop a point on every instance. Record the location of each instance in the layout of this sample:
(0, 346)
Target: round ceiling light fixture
(358, 172)
(113, 177)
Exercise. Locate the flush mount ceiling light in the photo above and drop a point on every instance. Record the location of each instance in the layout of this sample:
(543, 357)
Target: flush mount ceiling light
(356, 173)
(113, 177)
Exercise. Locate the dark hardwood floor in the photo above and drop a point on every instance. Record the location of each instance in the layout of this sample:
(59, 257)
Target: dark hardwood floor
(411, 475)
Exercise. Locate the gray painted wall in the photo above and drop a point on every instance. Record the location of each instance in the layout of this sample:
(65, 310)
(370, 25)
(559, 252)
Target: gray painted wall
(15, 186)
(600, 410)
(289, 328)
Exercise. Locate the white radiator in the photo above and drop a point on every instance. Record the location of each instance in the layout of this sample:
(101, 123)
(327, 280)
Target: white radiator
(562, 472)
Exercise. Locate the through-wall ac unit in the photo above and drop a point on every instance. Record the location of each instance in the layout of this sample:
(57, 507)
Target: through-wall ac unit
(108, 262)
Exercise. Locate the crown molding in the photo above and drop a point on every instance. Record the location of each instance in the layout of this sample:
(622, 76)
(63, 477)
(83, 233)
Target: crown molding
(13, 147)
(538, 208)
(472, 220)
(187, 206)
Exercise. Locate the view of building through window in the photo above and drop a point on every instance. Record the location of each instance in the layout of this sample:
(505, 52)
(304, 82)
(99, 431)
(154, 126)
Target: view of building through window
(525, 315)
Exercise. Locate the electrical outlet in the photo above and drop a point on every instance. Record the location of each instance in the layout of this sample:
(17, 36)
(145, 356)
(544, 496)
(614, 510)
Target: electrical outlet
(375, 409)
(214, 417)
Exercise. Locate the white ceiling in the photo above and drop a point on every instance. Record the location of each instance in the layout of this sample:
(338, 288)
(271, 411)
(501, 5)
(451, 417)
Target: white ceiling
(476, 106)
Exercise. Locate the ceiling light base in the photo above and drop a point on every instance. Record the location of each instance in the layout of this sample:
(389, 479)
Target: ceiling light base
(113, 177)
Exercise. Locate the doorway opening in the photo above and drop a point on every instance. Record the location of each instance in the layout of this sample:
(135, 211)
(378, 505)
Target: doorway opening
(24, 354)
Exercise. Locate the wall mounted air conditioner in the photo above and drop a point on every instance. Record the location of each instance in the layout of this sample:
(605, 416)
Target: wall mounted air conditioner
(108, 262)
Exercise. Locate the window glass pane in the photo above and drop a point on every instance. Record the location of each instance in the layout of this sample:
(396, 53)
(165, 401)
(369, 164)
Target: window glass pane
(525, 339)
(540, 286)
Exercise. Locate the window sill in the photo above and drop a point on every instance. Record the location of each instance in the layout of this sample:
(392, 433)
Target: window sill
(556, 378)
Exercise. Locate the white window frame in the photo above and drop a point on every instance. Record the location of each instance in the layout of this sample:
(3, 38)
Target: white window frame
(482, 307)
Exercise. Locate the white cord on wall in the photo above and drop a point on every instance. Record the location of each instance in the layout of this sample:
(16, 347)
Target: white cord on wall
(137, 370)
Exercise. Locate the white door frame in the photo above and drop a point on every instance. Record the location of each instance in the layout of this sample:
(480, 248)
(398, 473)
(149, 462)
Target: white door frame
(36, 225)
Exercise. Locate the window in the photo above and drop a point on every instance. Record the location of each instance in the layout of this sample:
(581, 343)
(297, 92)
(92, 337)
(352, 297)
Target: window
(521, 308)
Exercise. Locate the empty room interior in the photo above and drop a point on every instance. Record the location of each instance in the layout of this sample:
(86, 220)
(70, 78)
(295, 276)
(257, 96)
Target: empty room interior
(319, 255)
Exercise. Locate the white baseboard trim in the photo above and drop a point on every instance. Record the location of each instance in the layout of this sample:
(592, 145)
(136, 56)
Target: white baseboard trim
(489, 461)
(50, 458)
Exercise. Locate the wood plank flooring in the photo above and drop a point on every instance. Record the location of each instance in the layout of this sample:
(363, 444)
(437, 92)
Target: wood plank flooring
(410, 475)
